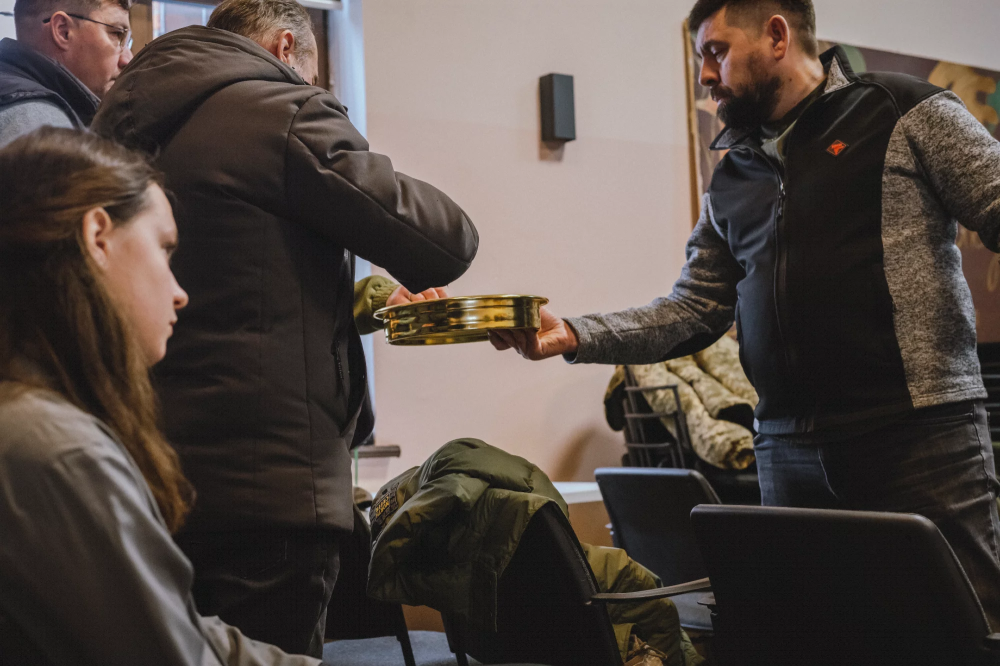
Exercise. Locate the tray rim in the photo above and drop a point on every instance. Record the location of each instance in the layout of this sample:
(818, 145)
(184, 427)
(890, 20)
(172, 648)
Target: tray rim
(421, 307)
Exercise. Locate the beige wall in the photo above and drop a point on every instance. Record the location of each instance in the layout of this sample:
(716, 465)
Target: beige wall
(452, 98)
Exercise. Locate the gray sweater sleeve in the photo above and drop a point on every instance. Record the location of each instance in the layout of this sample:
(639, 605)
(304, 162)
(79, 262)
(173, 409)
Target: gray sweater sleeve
(961, 160)
(91, 574)
(698, 312)
(24, 117)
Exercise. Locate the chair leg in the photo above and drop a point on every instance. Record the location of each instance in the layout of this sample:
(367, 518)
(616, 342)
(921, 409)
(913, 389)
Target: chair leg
(453, 631)
(403, 636)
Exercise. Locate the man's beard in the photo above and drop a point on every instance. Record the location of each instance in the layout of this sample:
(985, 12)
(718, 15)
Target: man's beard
(754, 104)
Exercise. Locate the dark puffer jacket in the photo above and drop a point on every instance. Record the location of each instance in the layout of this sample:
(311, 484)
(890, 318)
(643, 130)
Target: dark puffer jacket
(264, 379)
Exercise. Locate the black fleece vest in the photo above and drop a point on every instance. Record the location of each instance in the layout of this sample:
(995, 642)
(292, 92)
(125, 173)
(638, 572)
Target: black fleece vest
(27, 75)
(814, 314)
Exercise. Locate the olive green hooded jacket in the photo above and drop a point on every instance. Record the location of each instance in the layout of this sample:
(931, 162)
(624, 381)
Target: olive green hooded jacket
(444, 532)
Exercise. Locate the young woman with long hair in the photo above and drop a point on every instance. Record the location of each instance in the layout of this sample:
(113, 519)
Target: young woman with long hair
(90, 491)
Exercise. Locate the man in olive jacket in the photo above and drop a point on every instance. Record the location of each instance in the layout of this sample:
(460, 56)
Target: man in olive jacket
(264, 387)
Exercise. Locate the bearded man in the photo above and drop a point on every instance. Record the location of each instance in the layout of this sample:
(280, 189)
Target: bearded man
(827, 235)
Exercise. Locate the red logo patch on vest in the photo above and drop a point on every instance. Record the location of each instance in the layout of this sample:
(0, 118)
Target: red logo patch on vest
(836, 148)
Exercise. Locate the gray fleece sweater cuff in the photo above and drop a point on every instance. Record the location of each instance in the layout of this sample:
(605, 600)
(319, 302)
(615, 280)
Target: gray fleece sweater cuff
(585, 330)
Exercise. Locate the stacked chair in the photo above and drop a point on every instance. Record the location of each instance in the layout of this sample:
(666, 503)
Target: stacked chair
(650, 444)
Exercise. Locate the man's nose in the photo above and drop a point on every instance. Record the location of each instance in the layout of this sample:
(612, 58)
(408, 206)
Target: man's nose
(125, 58)
(709, 75)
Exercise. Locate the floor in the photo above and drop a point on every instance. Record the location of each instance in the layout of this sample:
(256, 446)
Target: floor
(430, 648)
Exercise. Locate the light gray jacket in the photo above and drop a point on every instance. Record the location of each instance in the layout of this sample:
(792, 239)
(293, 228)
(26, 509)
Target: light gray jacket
(88, 570)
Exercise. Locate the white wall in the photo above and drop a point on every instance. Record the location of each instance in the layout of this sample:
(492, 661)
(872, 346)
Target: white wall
(452, 98)
(6, 22)
(962, 31)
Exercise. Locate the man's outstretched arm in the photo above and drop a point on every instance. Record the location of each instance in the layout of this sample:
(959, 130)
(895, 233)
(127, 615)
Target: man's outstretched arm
(698, 312)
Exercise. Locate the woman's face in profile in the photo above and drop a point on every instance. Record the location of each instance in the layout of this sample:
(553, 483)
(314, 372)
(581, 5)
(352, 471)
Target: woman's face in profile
(135, 258)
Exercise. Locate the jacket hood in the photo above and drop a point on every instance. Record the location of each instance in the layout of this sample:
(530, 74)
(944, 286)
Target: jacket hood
(444, 532)
(27, 74)
(471, 463)
(173, 75)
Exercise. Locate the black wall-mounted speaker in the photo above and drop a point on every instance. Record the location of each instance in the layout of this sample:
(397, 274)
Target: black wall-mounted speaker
(558, 112)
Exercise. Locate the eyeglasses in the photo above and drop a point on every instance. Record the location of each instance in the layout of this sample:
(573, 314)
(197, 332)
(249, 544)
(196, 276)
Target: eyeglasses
(123, 35)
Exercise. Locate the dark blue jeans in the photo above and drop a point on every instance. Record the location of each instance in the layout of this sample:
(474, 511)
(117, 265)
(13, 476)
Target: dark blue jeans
(937, 463)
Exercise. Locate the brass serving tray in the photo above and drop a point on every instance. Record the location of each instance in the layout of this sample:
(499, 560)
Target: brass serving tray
(450, 321)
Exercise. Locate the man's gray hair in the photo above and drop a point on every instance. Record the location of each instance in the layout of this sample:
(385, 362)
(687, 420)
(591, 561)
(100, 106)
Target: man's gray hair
(260, 20)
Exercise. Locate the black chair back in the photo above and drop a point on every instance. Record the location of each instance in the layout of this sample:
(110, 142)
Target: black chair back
(650, 511)
(543, 614)
(806, 586)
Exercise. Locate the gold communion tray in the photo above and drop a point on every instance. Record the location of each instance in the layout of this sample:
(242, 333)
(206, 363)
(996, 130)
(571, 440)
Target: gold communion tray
(450, 321)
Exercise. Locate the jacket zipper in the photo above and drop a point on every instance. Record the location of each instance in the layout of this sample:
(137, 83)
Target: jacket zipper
(779, 261)
(780, 272)
(336, 348)
(340, 365)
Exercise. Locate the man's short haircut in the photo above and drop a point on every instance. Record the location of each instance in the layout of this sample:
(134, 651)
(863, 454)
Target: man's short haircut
(27, 12)
(260, 20)
(800, 14)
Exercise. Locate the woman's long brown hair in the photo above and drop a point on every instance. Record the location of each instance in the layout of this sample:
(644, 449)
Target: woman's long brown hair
(54, 310)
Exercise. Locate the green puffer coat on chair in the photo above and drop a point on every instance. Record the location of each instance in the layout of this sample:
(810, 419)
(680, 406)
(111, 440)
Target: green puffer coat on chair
(444, 532)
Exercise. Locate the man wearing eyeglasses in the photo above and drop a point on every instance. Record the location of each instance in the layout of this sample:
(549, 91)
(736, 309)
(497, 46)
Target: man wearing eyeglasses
(67, 54)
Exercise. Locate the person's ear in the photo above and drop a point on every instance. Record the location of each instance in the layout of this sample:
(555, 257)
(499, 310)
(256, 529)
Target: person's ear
(285, 46)
(97, 228)
(60, 28)
(777, 33)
